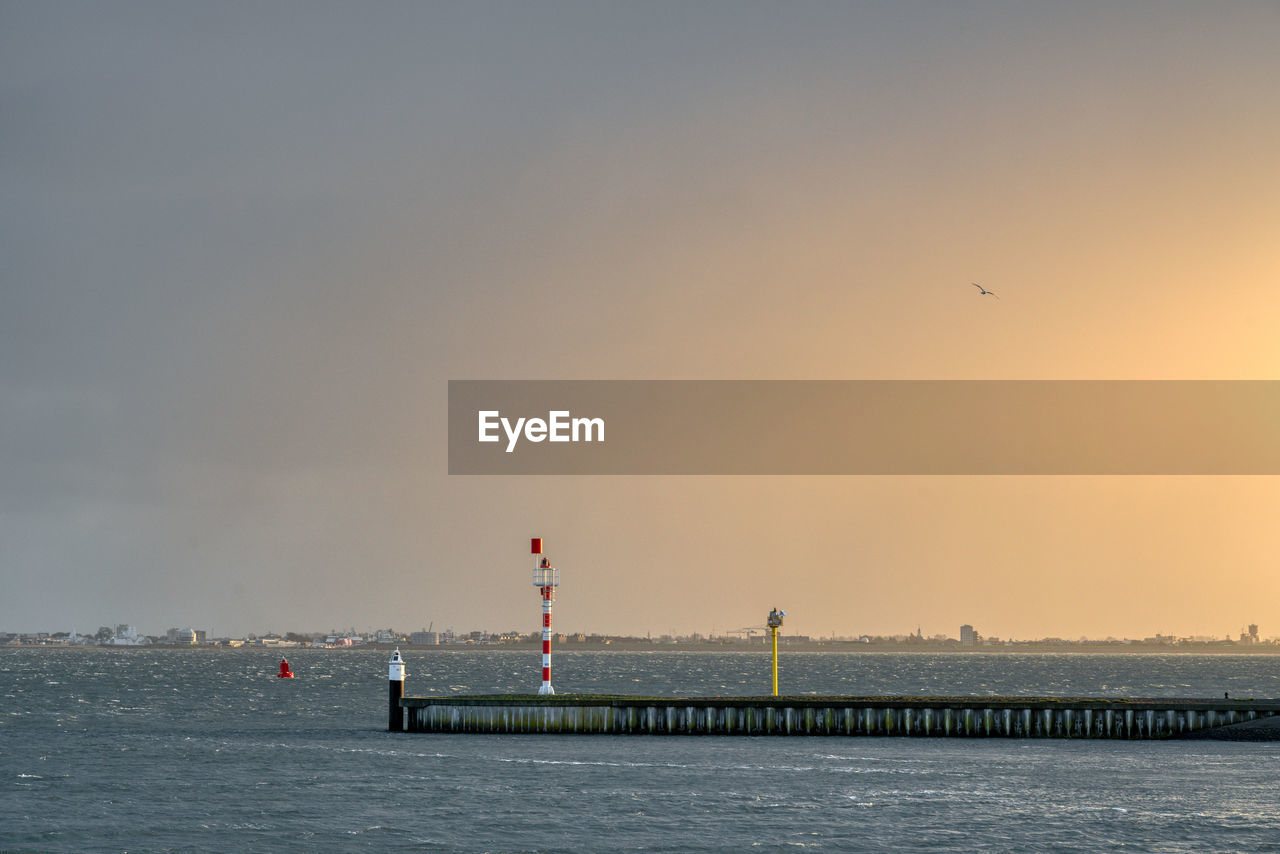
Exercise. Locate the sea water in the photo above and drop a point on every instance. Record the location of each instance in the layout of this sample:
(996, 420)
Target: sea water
(206, 751)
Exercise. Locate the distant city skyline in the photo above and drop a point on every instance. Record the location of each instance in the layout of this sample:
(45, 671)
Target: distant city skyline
(123, 634)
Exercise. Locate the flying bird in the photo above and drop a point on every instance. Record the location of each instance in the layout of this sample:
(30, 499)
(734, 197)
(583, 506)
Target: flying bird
(983, 291)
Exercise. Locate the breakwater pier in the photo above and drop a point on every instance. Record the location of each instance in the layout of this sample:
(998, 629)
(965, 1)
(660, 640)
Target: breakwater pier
(958, 717)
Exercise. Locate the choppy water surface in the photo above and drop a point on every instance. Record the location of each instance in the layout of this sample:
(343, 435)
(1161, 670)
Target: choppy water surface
(159, 750)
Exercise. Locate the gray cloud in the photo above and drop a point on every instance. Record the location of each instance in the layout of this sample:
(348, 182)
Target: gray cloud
(244, 246)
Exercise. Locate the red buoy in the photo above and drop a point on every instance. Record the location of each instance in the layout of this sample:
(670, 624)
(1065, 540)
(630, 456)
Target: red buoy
(285, 672)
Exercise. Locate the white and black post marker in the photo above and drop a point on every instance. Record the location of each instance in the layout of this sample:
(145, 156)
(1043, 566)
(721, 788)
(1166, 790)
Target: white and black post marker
(395, 683)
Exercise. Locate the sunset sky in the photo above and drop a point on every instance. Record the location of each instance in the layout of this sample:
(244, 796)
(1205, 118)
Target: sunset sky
(246, 246)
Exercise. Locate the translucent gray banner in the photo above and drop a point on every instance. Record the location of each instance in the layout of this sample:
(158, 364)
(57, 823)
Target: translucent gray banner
(863, 427)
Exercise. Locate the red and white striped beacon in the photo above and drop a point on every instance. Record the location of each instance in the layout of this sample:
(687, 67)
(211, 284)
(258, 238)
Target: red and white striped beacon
(546, 578)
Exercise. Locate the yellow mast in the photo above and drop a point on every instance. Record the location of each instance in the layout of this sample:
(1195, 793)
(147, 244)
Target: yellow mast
(775, 621)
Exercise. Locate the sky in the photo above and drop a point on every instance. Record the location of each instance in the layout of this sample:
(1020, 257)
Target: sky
(245, 246)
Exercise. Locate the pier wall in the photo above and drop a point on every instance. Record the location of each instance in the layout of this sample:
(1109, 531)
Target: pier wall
(1007, 717)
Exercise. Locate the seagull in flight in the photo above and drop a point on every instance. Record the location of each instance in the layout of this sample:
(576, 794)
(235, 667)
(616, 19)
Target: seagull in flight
(984, 291)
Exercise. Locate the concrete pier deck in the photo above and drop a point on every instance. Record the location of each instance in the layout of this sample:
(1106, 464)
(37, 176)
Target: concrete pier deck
(964, 717)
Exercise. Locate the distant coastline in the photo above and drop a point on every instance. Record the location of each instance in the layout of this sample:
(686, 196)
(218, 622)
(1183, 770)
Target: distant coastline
(841, 647)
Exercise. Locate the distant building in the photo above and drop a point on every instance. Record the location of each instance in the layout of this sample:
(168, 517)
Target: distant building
(182, 636)
(968, 637)
(127, 636)
(424, 638)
